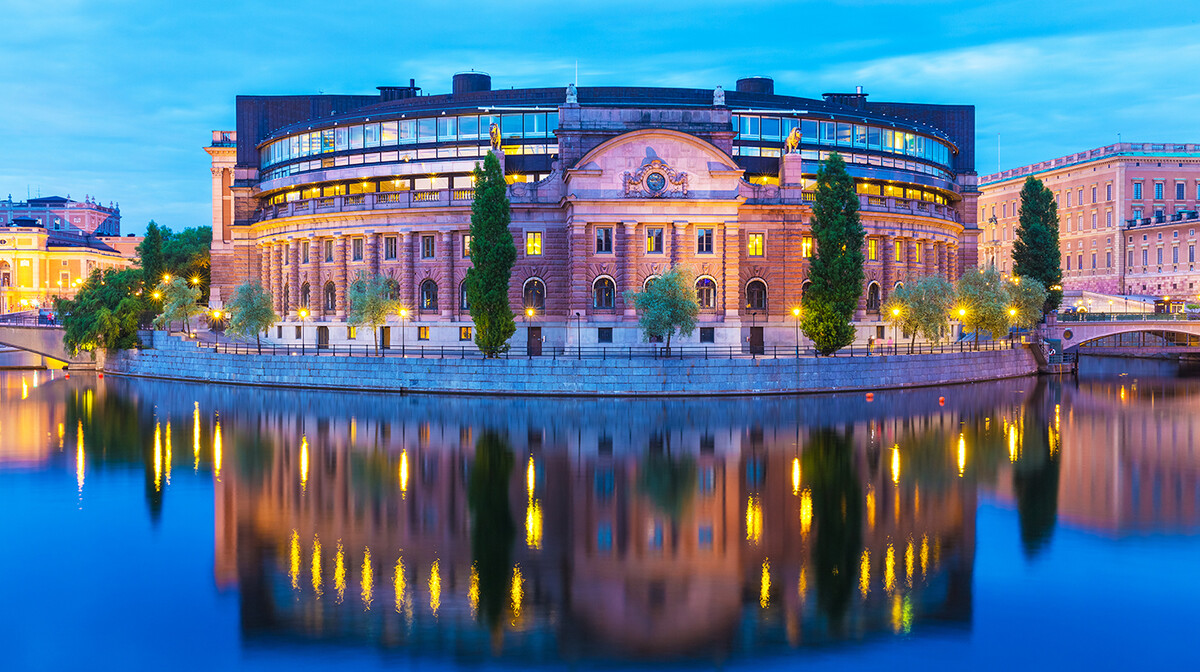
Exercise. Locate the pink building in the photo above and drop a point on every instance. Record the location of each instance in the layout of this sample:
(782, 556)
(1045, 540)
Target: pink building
(55, 213)
(1127, 217)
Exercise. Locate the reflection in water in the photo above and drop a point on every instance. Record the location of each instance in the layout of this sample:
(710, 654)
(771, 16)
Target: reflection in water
(658, 528)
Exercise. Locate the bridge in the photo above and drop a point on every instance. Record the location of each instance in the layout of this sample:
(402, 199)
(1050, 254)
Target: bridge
(26, 331)
(1126, 333)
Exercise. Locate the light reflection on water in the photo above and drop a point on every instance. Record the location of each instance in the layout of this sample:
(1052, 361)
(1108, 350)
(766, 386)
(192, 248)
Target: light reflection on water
(653, 529)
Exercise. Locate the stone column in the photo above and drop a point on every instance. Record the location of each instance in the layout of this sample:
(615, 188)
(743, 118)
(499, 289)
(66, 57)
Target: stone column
(278, 251)
(678, 236)
(577, 256)
(372, 252)
(449, 298)
(731, 263)
(295, 279)
(405, 253)
(627, 257)
(885, 265)
(314, 277)
(341, 252)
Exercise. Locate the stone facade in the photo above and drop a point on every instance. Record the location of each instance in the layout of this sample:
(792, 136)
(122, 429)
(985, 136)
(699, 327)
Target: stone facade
(176, 359)
(1127, 217)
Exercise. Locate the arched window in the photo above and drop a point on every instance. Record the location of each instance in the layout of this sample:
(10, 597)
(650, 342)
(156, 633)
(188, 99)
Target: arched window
(287, 302)
(463, 303)
(305, 295)
(534, 294)
(898, 285)
(804, 288)
(649, 281)
(874, 297)
(392, 288)
(756, 295)
(330, 297)
(429, 295)
(706, 293)
(603, 292)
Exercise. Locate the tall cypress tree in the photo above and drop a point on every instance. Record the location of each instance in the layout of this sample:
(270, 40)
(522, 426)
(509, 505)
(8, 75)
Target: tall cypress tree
(492, 257)
(1035, 251)
(150, 254)
(836, 270)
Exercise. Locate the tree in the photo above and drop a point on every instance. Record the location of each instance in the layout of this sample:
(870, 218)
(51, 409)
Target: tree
(150, 252)
(104, 312)
(668, 303)
(983, 297)
(492, 527)
(1035, 250)
(836, 270)
(371, 302)
(250, 312)
(922, 306)
(1027, 297)
(179, 302)
(492, 257)
(186, 254)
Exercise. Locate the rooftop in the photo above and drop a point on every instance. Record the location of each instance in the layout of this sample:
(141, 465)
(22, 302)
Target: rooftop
(1117, 149)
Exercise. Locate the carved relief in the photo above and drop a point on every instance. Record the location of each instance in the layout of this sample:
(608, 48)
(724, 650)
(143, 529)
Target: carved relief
(656, 179)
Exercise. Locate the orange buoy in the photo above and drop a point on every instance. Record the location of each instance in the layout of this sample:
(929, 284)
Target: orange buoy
(941, 401)
(870, 396)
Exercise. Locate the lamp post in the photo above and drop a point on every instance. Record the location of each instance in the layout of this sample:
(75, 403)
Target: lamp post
(578, 335)
(1012, 315)
(403, 317)
(895, 332)
(303, 315)
(528, 316)
(796, 314)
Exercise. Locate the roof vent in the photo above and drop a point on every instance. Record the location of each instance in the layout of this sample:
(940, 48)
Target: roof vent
(857, 100)
(764, 85)
(390, 93)
(472, 82)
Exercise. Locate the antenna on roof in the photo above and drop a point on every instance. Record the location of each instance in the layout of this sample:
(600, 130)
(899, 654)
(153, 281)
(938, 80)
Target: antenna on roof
(577, 73)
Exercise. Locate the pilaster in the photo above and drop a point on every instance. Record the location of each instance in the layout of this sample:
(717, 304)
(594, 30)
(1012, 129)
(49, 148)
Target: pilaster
(731, 253)
(627, 256)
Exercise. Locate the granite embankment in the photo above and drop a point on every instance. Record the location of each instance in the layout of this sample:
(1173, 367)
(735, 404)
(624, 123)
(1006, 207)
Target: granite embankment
(176, 359)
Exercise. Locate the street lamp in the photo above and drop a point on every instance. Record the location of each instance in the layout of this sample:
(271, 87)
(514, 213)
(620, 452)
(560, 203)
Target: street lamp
(166, 277)
(528, 316)
(895, 328)
(303, 315)
(578, 335)
(403, 317)
(796, 314)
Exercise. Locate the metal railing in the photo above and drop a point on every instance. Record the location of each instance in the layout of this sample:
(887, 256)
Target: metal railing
(1128, 317)
(388, 200)
(613, 352)
(29, 319)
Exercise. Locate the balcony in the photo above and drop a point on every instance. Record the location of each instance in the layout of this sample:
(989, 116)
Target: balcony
(391, 200)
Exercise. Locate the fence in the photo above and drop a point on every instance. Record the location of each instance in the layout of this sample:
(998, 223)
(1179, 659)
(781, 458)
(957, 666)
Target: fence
(1128, 317)
(630, 352)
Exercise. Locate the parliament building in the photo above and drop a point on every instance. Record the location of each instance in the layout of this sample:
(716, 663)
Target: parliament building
(610, 186)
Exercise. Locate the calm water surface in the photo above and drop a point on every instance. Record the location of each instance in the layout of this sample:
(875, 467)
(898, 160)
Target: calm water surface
(1032, 523)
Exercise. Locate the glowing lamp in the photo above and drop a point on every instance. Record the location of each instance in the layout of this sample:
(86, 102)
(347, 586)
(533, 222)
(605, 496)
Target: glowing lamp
(795, 312)
(1012, 312)
(529, 312)
(895, 312)
(962, 312)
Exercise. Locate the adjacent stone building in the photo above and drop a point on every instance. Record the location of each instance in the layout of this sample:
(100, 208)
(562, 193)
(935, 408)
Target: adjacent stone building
(610, 186)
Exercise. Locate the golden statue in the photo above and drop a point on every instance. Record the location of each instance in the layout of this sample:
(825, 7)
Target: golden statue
(793, 142)
(494, 134)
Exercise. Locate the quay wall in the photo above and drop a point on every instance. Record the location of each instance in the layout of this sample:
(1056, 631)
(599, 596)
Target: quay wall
(175, 359)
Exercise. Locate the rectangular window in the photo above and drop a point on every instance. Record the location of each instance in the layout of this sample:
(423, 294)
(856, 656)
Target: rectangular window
(1158, 191)
(654, 240)
(1129, 260)
(389, 247)
(352, 333)
(1080, 260)
(1108, 219)
(533, 243)
(754, 244)
(464, 333)
(899, 252)
(422, 333)
(298, 332)
(1145, 257)
(1108, 192)
(304, 252)
(704, 241)
(1093, 194)
(872, 249)
(279, 331)
(917, 253)
(427, 247)
(1179, 191)
(1174, 255)
(466, 245)
(1068, 199)
(357, 249)
(1093, 261)
(287, 255)
(604, 240)
(1160, 255)
(1108, 259)
(1137, 213)
(604, 335)
(1093, 221)
(329, 251)
(1068, 262)
(1137, 191)
(708, 334)
(806, 247)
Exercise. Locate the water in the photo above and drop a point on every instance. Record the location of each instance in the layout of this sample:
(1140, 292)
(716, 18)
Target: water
(1022, 523)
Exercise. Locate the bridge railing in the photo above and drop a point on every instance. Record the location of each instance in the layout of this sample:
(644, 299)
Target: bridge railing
(28, 319)
(1128, 317)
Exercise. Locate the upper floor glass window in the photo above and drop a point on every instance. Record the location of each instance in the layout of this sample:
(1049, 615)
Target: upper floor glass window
(533, 243)
(1137, 191)
(357, 249)
(1158, 191)
(427, 247)
(754, 244)
(604, 239)
(389, 247)
(704, 241)
(654, 240)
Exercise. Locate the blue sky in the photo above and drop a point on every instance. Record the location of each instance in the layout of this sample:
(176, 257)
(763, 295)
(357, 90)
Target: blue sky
(115, 98)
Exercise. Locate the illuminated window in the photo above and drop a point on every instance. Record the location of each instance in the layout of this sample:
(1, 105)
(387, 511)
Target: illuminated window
(427, 247)
(389, 247)
(704, 241)
(706, 292)
(917, 252)
(872, 249)
(463, 302)
(422, 333)
(352, 333)
(533, 243)
(429, 295)
(900, 248)
(464, 333)
(466, 245)
(604, 240)
(754, 244)
(357, 249)
(654, 240)
(806, 247)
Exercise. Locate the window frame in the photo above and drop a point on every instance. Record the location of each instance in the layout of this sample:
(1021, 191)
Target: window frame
(756, 243)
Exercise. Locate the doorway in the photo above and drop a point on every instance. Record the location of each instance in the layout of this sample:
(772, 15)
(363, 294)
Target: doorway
(322, 337)
(385, 338)
(756, 340)
(533, 347)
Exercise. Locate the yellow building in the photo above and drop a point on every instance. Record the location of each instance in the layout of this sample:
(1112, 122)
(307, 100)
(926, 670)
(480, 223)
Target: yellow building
(37, 265)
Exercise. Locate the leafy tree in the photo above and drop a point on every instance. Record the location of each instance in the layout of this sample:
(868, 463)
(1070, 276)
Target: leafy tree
(250, 312)
(179, 303)
(836, 270)
(150, 252)
(104, 312)
(922, 306)
(492, 257)
(371, 302)
(186, 254)
(667, 304)
(1027, 297)
(983, 296)
(1035, 252)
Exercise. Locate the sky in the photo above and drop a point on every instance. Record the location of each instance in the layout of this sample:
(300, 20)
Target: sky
(116, 98)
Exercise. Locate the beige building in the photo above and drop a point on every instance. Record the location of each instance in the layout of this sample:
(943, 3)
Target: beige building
(37, 265)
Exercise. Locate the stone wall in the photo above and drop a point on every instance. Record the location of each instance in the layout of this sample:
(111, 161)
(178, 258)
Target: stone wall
(176, 359)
